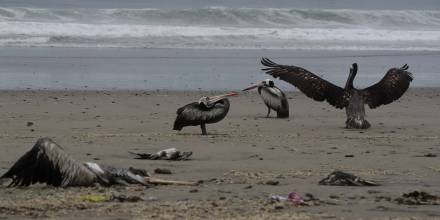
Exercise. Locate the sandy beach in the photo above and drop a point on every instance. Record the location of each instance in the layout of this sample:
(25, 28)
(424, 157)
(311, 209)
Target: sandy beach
(245, 159)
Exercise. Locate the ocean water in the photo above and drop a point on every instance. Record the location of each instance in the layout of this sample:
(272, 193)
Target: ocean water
(194, 69)
(222, 25)
(209, 44)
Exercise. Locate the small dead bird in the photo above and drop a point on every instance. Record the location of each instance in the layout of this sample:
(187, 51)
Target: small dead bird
(339, 178)
(167, 154)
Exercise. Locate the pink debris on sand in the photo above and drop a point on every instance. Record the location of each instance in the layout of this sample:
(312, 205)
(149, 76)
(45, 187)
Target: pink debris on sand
(295, 198)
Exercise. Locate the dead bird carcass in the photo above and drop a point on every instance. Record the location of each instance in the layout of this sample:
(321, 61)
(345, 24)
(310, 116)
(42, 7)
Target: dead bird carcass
(166, 154)
(339, 178)
(47, 163)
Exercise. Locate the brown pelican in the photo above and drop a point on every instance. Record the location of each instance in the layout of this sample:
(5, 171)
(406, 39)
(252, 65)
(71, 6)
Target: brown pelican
(390, 88)
(47, 163)
(273, 97)
(207, 110)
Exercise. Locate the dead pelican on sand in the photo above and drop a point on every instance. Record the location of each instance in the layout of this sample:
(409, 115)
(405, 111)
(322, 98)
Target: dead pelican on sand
(47, 163)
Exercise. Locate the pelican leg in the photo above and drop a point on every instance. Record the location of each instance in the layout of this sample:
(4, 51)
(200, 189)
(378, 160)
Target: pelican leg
(203, 129)
(268, 112)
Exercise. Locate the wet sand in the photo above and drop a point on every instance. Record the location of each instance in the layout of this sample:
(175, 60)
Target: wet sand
(194, 69)
(242, 153)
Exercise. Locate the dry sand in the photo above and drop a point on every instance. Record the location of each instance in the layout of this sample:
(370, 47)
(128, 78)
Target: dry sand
(235, 161)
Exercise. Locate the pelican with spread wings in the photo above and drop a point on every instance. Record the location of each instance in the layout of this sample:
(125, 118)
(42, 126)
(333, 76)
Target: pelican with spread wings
(390, 88)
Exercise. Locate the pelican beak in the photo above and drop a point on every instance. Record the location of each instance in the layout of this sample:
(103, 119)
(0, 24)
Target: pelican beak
(219, 97)
(252, 87)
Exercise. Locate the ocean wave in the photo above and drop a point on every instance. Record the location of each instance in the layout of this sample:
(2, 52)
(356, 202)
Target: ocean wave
(219, 16)
(165, 36)
(221, 28)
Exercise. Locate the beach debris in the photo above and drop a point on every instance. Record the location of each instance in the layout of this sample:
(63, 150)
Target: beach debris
(373, 191)
(295, 198)
(427, 155)
(339, 178)
(430, 155)
(385, 198)
(292, 197)
(418, 198)
(157, 181)
(29, 123)
(310, 199)
(167, 154)
(94, 198)
(298, 200)
(162, 171)
(124, 198)
(278, 198)
(272, 182)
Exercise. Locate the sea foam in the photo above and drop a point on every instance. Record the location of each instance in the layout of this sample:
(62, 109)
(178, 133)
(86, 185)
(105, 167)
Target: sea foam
(222, 28)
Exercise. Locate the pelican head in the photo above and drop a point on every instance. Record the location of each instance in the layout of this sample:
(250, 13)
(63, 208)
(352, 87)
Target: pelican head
(264, 83)
(268, 83)
(351, 75)
(209, 101)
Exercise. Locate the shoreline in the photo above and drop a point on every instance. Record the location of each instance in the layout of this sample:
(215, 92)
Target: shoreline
(192, 69)
(292, 90)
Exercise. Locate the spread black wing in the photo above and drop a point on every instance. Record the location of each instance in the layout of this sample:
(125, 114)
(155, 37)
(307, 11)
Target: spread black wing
(390, 88)
(47, 163)
(310, 84)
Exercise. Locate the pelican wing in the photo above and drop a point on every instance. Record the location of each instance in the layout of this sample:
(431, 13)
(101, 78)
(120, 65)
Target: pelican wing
(194, 113)
(390, 88)
(109, 175)
(47, 163)
(310, 84)
(200, 114)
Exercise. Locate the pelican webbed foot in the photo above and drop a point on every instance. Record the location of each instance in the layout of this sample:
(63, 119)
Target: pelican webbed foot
(357, 123)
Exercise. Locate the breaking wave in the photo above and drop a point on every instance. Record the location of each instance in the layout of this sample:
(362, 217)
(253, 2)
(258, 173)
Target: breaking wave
(222, 28)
